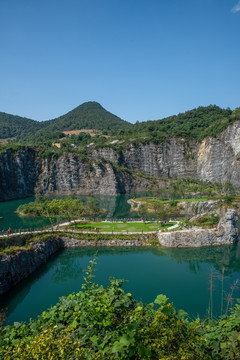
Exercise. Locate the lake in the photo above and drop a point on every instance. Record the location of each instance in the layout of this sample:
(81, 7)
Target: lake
(180, 274)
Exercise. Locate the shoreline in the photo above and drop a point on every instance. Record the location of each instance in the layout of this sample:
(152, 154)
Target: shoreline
(29, 255)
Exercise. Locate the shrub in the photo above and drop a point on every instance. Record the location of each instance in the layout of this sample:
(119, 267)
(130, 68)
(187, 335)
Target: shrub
(105, 323)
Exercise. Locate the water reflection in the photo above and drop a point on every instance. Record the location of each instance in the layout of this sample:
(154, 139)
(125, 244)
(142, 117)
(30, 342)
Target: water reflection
(181, 274)
(219, 256)
(115, 206)
(226, 256)
(67, 268)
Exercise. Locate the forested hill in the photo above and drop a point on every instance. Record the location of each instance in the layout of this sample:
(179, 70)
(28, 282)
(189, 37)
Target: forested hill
(197, 123)
(89, 115)
(12, 126)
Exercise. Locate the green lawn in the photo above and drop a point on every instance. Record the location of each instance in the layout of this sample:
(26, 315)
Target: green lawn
(120, 226)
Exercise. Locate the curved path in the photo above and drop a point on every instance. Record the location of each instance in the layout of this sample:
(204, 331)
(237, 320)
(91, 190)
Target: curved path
(56, 228)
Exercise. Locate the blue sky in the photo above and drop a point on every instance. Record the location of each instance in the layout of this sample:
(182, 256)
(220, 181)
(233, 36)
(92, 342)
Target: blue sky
(141, 60)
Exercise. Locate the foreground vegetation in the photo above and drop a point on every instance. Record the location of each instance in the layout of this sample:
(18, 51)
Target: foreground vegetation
(107, 323)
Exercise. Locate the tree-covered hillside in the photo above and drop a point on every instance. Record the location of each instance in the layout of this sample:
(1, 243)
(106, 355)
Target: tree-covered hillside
(89, 115)
(12, 126)
(197, 123)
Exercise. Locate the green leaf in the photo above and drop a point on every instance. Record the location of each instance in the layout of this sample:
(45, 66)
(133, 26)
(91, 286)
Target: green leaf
(94, 338)
(74, 324)
(181, 314)
(161, 300)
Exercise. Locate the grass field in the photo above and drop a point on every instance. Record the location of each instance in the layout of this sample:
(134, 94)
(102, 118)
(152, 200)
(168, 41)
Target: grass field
(120, 226)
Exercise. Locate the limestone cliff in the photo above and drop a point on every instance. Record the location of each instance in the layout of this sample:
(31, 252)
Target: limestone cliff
(19, 173)
(23, 172)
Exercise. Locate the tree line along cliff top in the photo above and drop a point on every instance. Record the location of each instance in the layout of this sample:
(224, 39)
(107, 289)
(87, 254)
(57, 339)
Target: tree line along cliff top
(194, 124)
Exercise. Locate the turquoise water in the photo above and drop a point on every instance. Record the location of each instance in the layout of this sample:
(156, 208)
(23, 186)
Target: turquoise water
(115, 206)
(11, 219)
(181, 274)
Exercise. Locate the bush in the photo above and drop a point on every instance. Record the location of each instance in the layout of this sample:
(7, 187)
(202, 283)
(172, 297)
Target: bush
(206, 221)
(105, 323)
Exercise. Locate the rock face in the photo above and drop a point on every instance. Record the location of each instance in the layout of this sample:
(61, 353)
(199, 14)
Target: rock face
(192, 209)
(227, 228)
(19, 173)
(24, 172)
(71, 173)
(14, 268)
(225, 233)
(198, 207)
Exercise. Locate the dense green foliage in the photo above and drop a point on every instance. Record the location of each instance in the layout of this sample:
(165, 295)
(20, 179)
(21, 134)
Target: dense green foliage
(107, 323)
(195, 124)
(104, 323)
(184, 188)
(89, 115)
(66, 208)
(12, 125)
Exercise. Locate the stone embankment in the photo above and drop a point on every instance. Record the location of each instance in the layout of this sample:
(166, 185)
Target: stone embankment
(225, 233)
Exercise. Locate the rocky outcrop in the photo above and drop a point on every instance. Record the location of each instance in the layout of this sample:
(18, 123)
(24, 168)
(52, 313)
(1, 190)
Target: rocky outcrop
(193, 209)
(24, 172)
(225, 233)
(197, 208)
(14, 268)
(165, 160)
(71, 173)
